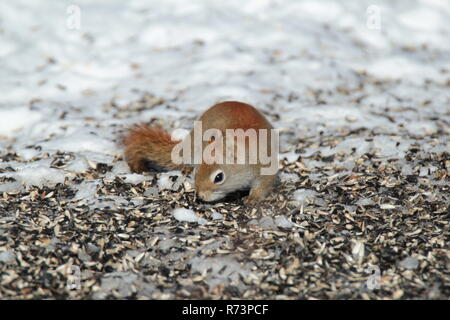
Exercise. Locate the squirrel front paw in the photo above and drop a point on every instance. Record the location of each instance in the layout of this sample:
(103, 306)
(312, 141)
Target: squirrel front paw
(260, 190)
(251, 201)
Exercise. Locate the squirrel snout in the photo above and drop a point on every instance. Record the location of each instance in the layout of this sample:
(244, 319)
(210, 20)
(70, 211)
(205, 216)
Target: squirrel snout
(203, 195)
(209, 196)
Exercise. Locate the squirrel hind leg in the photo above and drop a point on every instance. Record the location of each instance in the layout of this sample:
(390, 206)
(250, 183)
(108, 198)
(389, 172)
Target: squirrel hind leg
(148, 148)
(153, 166)
(137, 165)
(144, 165)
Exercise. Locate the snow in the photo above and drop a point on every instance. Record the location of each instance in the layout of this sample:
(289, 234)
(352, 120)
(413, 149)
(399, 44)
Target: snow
(219, 270)
(170, 180)
(355, 146)
(16, 118)
(217, 216)
(151, 192)
(86, 190)
(271, 223)
(81, 141)
(267, 223)
(120, 281)
(283, 222)
(387, 206)
(134, 178)
(290, 156)
(409, 263)
(166, 244)
(78, 165)
(292, 177)
(365, 202)
(407, 170)
(11, 187)
(36, 174)
(304, 195)
(7, 256)
(186, 215)
(120, 167)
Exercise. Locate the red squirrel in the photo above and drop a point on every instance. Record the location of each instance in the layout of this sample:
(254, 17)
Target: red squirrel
(147, 146)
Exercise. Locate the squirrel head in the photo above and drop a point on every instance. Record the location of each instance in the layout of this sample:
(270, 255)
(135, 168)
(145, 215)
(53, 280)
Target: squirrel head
(216, 177)
(214, 181)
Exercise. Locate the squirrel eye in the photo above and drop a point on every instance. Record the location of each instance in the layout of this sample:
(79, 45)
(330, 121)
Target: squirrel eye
(219, 177)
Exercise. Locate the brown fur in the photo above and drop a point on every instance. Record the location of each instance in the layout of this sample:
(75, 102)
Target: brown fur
(144, 144)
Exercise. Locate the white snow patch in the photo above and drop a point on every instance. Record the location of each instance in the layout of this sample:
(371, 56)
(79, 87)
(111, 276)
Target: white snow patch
(167, 244)
(216, 215)
(267, 223)
(81, 142)
(78, 165)
(86, 190)
(290, 156)
(134, 178)
(182, 214)
(358, 146)
(289, 177)
(7, 256)
(28, 153)
(406, 170)
(365, 202)
(170, 180)
(120, 167)
(11, 187)
(219, 270)
(283, 222)
(35, 174)
(304, 195)
(17, 118)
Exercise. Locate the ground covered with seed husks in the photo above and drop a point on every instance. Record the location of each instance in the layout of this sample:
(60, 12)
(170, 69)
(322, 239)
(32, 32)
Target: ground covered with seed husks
(316, 236)
(360, 210)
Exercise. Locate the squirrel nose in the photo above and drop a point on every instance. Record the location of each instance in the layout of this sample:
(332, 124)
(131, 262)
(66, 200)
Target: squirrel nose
(202, 195)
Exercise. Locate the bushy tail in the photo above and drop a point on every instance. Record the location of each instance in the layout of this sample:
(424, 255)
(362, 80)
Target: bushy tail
(149, 148)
